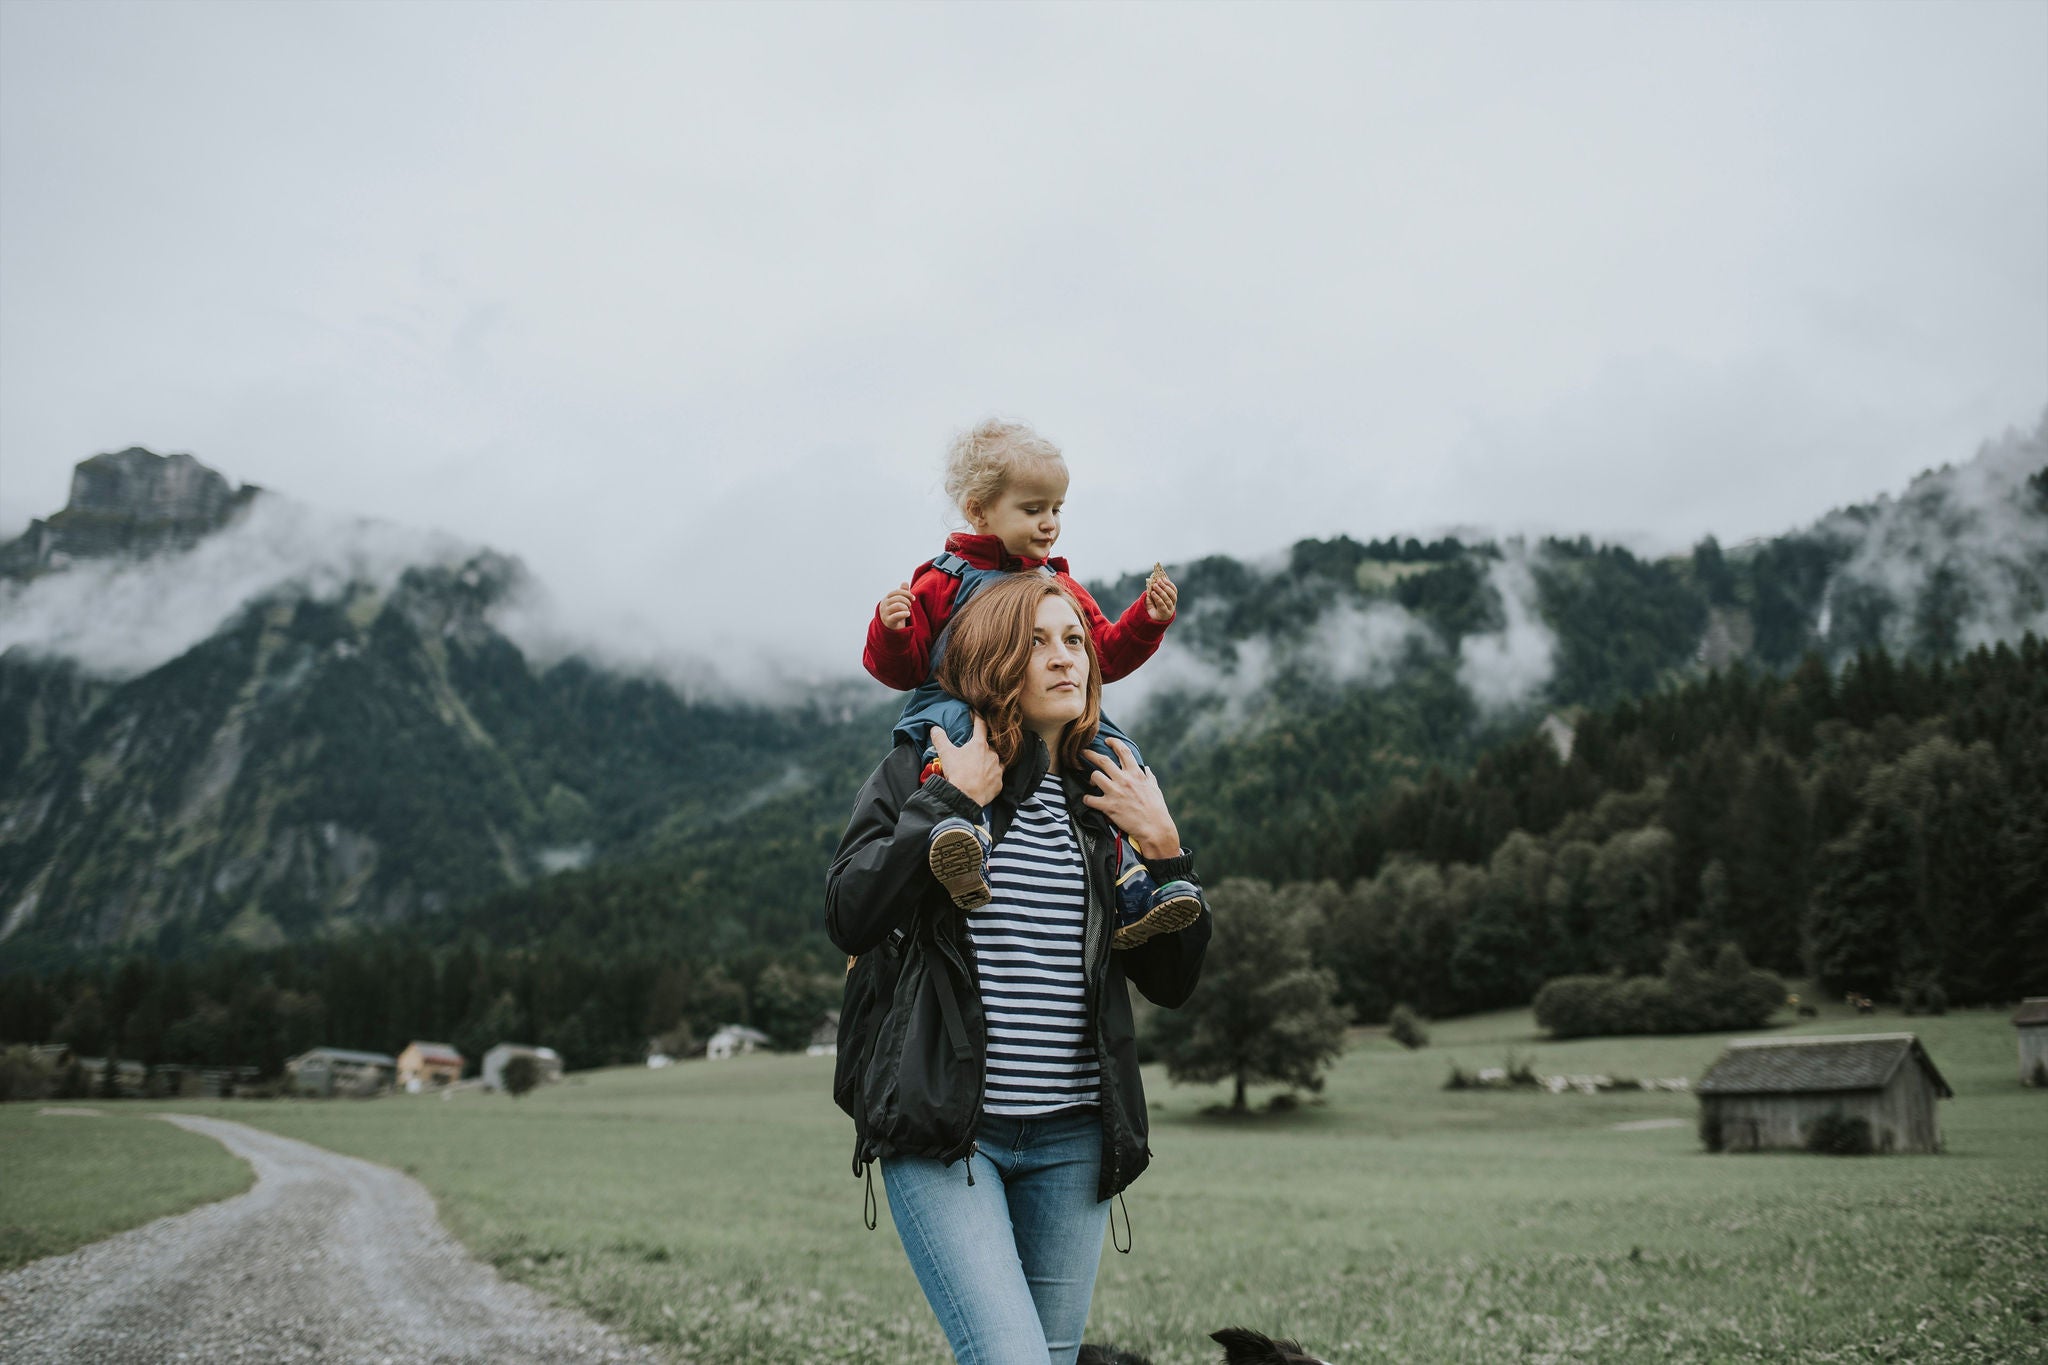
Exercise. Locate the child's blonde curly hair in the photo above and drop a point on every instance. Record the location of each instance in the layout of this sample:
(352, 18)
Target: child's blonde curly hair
(980, 462)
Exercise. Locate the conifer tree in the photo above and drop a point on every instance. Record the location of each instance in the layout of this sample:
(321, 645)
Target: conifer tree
(1766, 853)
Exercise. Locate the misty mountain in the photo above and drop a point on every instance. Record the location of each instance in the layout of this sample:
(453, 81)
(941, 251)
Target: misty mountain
(341, 754)
(234, 719)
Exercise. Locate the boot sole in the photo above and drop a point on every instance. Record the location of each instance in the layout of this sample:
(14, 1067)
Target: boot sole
(955, 858)
(1170, 917)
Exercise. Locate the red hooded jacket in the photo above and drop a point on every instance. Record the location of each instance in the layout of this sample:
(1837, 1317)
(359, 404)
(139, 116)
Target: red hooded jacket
(902, 658)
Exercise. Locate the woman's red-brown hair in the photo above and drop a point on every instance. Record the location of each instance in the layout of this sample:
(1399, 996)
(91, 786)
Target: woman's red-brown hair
(988, 646)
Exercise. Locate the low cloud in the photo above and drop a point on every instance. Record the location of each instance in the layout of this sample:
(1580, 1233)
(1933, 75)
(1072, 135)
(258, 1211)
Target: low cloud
(1965, 547)
(717, 664)
(1350, 645)
(120, 618)
(1347, 646)
(1502, 669)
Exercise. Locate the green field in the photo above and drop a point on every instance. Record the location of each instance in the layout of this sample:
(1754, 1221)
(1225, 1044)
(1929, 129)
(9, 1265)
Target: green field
(710, 1206)
(74, 1173)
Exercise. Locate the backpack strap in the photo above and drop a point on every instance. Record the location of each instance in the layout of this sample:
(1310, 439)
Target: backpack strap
(950, 564)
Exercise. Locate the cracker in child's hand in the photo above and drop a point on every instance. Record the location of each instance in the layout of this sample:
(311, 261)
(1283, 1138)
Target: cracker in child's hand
(1158, 572)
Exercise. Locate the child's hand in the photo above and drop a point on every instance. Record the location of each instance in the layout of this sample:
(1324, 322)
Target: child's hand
(895, 608)
(1161, 597)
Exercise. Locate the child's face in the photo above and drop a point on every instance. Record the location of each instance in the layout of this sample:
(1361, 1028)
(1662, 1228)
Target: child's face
(1025, 516)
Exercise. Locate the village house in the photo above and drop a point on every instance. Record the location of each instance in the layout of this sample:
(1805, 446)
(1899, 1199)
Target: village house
(178, 1081)
(128, 1081)
(1765, 1094)
(734, 1040)
(494, 1063)
(424, 1066)
(325, 1071)
(2032, 1023)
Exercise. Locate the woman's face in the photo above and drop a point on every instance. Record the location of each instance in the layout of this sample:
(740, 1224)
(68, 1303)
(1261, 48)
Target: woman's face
(1056, 679)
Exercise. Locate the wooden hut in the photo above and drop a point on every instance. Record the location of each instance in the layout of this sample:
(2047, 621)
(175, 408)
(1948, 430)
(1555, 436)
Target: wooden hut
(339, 1071)
(734, 1040)
(2032, 1023)
(1764, 1094)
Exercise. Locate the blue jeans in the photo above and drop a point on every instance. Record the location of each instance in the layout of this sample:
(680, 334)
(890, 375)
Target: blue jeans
(1008, 1263)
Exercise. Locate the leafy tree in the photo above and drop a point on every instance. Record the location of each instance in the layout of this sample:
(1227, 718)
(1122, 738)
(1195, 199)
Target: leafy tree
(1404, 1026)
(1684, 999)
(788, 1003)
(521, 1074)
(22, 1077)
(1632, 897)
(1264, 1011)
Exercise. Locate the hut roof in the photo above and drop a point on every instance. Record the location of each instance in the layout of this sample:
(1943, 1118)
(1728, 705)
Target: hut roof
(2033, 1010)
(1791, 1066)
(345, 1056)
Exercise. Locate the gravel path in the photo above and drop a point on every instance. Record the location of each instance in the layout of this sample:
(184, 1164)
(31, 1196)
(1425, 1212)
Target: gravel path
(327, 1258)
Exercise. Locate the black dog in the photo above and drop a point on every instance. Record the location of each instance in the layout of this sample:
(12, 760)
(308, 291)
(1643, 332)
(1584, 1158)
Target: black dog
(1241, 1346)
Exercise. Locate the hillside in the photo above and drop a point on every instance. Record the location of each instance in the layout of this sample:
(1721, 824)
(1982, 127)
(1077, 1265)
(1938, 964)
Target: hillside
(367, 747)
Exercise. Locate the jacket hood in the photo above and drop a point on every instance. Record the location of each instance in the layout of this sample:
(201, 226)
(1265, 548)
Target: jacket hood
(989, 552)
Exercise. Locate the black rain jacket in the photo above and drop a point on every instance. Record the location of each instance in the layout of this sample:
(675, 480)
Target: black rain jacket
(912, 1037)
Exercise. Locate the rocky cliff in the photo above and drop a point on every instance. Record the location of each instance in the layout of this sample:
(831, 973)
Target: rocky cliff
(131, 503)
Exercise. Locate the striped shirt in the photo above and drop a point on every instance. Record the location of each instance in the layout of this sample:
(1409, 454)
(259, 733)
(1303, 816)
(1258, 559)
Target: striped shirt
(1028, 944)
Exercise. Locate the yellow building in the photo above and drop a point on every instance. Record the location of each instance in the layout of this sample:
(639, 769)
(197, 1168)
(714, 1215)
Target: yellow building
(423, 1066)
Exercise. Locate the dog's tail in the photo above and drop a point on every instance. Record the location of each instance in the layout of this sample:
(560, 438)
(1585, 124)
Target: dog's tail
(1242, 1346)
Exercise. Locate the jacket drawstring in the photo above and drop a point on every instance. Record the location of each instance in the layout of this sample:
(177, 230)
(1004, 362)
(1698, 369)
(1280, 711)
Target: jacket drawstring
(869, 1209)
(1123, 1248)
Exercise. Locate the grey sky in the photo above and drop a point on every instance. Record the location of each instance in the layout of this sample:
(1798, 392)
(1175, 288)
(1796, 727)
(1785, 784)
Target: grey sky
(667, 299)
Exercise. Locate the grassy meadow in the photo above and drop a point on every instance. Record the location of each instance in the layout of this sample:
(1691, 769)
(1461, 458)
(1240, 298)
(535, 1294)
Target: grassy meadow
(74, 1173)
(710, 1206)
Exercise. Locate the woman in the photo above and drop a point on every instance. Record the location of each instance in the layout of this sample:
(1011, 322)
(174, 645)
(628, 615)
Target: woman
(988, 1057)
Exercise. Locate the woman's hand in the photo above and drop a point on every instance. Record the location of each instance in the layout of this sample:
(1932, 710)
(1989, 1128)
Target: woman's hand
(972, 767)
(1129, 795)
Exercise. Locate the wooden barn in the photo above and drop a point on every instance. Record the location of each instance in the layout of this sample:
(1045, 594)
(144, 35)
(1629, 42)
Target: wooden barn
(2032, 1023)
(1764, 1094)
(339, 1071)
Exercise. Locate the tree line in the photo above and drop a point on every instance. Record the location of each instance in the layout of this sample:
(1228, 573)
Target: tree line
(378, 992)
(1884, 829)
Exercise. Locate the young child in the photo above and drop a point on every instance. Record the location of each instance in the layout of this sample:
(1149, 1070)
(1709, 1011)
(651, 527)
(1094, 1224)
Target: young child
(1010, 483)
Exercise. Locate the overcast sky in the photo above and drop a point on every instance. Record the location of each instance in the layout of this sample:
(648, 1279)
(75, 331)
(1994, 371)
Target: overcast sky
(681, 303)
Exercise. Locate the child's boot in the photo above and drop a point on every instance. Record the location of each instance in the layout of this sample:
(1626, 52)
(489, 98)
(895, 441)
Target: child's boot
(958, 854)
(1144, 909)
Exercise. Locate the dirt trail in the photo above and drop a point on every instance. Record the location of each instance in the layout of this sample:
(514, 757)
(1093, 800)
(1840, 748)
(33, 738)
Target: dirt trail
(327, 1258)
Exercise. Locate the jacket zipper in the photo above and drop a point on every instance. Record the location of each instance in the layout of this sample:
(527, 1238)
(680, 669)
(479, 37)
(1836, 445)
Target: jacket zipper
(965, 957)
(1090, 952)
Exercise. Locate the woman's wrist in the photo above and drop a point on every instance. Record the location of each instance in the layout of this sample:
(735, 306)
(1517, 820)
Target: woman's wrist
(1164, 839)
